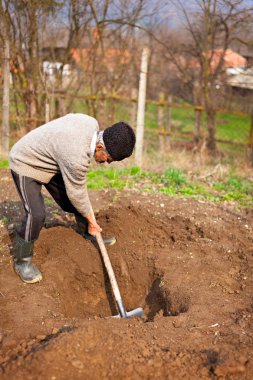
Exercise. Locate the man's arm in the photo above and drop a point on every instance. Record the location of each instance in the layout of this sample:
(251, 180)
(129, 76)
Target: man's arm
(76, 188)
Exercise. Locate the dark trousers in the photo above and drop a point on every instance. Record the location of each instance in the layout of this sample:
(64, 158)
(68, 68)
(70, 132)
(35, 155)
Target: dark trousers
(30, 193)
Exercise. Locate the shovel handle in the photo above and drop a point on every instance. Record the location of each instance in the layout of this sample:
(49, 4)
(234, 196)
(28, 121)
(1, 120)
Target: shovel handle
(111, 274)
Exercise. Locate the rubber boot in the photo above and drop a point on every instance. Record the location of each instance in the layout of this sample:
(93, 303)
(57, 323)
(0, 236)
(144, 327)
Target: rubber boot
(82, 229)
(22, 255)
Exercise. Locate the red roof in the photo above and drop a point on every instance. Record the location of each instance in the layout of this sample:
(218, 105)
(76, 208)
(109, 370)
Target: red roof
(110, 58)
(231, 59)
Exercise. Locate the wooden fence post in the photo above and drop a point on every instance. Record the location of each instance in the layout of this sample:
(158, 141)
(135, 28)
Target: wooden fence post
(250, 146)
(168, 122)
(141, 107)
(133, 107)
(62, 106)
(160, 122)
(57, 107)
(197, 124)
(47, 112)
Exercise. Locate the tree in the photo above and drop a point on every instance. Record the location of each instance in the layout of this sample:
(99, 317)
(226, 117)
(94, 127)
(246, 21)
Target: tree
(22, 23)
(211, 27)
(6, 99)
(195, 49)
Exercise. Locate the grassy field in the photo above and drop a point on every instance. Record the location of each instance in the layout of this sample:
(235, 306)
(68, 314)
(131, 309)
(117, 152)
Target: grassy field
(174, 182)
(231, 127)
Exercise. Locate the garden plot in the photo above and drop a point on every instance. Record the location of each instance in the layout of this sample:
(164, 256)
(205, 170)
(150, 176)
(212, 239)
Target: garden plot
(187, 263)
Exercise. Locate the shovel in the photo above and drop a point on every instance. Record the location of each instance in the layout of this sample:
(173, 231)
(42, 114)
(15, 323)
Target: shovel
(121, 308)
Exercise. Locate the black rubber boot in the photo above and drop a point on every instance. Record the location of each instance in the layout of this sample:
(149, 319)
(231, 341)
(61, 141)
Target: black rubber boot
(82, 229)
(22, 255)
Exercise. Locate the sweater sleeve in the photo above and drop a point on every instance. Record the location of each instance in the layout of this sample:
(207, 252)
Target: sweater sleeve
(74, 177)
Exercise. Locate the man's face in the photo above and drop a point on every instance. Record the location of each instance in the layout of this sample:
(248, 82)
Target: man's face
(101, 155)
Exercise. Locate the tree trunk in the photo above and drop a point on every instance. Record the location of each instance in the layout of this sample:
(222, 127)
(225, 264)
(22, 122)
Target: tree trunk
(210, 124)
(197, 125)
(32, 108)
(6, 100)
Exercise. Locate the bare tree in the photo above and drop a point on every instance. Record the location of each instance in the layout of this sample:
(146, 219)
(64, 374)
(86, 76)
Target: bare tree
(22, 20)
(109, 58)
(196, 57)
(211, 27)
(101, 54)
(6, 97)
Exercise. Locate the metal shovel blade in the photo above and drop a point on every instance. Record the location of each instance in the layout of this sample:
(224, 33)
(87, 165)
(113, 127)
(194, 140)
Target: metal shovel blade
(139, 312)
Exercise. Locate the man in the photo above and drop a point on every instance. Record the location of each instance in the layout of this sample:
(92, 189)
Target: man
(57, 155)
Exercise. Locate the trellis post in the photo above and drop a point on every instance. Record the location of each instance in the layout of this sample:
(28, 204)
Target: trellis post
(141, 107)
(160, 122)
(168, 122)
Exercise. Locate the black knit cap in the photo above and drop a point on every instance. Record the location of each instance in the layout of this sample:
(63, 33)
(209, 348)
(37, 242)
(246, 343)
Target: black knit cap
(119, 141)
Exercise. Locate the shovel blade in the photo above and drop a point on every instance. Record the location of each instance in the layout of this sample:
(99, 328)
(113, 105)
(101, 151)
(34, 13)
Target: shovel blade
(139, 312)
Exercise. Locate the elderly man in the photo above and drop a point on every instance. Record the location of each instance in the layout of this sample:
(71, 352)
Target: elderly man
(57, 155)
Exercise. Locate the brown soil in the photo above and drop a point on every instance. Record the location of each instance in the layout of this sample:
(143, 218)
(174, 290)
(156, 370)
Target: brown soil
(187, 263)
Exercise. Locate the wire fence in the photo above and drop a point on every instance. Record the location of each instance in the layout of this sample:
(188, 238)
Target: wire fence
(168, 124)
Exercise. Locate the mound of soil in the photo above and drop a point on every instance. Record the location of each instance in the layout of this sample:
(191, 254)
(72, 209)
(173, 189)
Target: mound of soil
(187, 263)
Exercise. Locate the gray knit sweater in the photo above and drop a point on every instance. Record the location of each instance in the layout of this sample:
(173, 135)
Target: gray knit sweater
(62, 145)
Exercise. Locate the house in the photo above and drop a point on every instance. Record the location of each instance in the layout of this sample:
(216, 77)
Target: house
(58, 74)
(241, 80)
(247, 53)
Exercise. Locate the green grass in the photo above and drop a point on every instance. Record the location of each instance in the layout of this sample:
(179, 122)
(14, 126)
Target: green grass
(233, 127)
(48, 201)
(235, 189)
(151, 116)
(173, 182)
(4, 219)
(4, 164)
(230, 127)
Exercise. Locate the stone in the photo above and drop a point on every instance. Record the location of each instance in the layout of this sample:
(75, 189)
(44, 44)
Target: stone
(40, 337)
(77, 364)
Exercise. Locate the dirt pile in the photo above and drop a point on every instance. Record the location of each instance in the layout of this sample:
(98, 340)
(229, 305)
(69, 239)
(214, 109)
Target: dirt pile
(187, 263)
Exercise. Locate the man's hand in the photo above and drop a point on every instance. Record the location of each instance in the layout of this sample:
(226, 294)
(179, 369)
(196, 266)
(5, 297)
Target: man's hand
(93, 227)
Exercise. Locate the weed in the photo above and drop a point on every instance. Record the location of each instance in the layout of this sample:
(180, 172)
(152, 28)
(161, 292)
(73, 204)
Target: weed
(48, 201)
(175, 177)
(173, 182)
(4, 219)
(4, 164)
